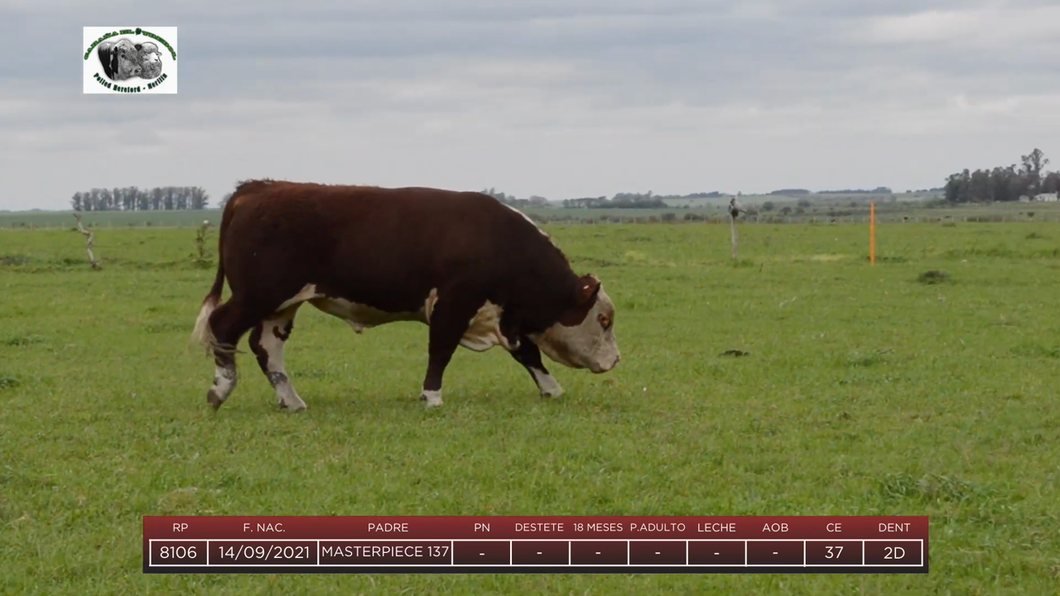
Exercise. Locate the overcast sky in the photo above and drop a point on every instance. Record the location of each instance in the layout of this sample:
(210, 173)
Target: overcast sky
(559, 98)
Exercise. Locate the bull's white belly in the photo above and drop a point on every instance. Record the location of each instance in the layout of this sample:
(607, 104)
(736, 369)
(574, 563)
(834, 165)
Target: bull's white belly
(362, 316)
(482, 334)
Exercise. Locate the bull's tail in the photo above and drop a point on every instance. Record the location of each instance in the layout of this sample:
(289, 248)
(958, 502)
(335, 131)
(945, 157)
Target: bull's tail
(203, 333)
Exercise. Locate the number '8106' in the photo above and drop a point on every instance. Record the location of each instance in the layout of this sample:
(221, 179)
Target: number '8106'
(177, 552)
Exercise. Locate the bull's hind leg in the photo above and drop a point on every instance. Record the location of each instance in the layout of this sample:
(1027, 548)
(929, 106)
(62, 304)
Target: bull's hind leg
(529, 356)
(227, 324)
(267, 340)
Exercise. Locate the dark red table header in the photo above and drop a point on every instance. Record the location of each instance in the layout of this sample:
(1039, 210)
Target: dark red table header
(533, 527)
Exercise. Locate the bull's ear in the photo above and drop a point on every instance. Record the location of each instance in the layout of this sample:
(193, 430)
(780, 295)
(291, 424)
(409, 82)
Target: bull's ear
(590, 288)
(586, 297)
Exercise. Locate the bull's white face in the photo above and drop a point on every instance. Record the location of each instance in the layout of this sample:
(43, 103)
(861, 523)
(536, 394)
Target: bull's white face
(150, 60)
(589, 343)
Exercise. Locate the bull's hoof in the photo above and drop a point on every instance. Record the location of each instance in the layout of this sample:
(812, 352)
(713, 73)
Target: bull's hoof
(214, 399)
(552, 393)
(433, 399)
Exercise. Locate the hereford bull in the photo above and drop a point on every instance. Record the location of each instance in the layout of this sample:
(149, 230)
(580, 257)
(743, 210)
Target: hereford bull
(478, 273)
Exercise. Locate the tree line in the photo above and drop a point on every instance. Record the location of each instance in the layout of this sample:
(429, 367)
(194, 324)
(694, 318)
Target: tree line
(622, 200)
(1003, 183)
(131, 198)
(794, 192)
(511, 200)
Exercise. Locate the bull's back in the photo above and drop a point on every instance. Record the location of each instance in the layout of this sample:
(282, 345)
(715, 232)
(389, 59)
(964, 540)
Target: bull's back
(386, 247)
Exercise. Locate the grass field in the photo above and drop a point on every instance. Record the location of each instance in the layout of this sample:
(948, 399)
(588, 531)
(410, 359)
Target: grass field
(866, 392)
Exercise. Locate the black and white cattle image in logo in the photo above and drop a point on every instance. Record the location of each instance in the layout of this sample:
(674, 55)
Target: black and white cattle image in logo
(122, 59)
(130, 60)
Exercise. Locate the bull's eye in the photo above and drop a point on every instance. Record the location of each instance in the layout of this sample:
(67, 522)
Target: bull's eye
(605, 321)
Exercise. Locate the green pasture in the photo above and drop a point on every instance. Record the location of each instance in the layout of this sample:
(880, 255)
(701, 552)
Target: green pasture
(866, 392)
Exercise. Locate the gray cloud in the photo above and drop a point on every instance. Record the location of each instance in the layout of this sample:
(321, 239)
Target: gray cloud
(555, 97)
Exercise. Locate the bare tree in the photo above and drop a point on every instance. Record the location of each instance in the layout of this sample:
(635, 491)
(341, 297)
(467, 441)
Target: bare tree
(202, 259)
(91, 237)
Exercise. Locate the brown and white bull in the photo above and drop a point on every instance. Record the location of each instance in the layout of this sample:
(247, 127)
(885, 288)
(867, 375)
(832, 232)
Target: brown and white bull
(477, 272)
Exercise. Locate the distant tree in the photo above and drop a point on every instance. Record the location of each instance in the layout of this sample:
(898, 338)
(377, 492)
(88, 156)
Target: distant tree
(106, 202)
(128, 198)
(979, 188)
(131, 198)
(198, 199)
(143, 200)
(1002, 183)
(879, 190)
(632, 200)
(1019, 185)
(1033, 164)
(768, 206)
(957, 187)
(1051, 183)
(500, 196)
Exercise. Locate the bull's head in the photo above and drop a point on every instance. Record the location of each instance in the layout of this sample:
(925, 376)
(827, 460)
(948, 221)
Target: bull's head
(585, 335)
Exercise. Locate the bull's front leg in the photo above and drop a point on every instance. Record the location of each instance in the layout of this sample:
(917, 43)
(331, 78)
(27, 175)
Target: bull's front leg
(529, 355)
(449, 321)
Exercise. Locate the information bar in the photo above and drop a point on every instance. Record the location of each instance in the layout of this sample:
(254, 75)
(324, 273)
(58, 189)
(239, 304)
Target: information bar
(523, 544)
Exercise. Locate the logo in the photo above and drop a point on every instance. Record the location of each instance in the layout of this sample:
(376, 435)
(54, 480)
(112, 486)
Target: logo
(130, 60)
